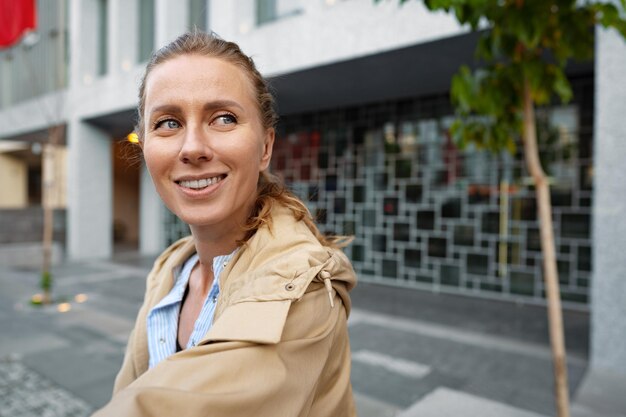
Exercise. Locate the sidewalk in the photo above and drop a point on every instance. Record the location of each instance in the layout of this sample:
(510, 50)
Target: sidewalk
(414, 353)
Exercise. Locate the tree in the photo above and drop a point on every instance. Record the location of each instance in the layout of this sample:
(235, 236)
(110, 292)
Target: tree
(524, 50)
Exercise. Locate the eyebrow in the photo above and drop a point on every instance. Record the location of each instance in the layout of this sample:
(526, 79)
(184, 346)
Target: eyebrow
(211, 105)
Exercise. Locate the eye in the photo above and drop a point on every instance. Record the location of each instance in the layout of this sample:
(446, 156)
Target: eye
(167, 124)
(225, 119)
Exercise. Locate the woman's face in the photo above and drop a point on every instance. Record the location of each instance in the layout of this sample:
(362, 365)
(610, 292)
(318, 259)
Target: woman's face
(204, 143)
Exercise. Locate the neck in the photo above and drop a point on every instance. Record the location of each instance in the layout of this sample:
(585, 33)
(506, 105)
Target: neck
(209, 244)
(221, 238)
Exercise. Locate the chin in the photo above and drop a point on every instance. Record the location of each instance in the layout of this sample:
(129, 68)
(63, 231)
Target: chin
(205, 217)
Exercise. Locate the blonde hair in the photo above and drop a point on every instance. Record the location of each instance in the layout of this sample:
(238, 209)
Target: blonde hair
(271, 191)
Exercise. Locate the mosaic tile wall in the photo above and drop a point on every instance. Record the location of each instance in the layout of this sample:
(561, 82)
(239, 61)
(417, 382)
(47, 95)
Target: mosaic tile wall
(425, 214)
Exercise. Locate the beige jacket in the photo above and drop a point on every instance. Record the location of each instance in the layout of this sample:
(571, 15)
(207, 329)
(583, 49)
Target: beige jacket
(276, 348)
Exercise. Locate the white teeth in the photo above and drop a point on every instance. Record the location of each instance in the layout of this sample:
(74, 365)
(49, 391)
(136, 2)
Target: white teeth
(198, 184)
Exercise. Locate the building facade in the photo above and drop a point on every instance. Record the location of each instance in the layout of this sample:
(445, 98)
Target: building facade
(362, 92)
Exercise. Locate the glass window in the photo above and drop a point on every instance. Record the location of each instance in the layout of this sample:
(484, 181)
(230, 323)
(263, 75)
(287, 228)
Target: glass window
(146, 29)
(5, 79)
(265, 11)
(198, 15)
(270, 10)
(103, 42)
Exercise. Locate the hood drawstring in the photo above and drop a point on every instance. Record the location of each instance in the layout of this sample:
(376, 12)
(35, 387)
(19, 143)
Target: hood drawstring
(325, 275)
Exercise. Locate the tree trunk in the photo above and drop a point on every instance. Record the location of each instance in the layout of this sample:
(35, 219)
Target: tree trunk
(555, 318)
(50, 163)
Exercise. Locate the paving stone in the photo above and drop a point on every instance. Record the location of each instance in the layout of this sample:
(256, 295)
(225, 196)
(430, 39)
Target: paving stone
(603, 391)
(383, 385)
(25, 393)
(59, 347)
(524, 381)
(445, 402)
(67, 367)
(370, 407)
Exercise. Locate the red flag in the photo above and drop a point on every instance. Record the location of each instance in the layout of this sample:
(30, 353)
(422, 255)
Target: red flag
(16, 17)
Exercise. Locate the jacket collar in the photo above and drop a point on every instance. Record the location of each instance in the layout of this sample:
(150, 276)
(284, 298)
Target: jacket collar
(274, 268)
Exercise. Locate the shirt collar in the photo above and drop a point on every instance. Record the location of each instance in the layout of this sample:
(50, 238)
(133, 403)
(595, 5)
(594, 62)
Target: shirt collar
(178, 290)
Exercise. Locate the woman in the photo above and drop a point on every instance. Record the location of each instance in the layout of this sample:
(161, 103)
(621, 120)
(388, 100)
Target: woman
(246, 317)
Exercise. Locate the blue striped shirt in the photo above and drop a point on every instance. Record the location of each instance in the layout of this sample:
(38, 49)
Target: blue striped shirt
(162, 322)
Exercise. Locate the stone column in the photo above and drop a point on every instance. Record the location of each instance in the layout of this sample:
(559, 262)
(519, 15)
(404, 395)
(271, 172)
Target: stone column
(608, 295)
(89, 193)
(602, 391)
(151, 217)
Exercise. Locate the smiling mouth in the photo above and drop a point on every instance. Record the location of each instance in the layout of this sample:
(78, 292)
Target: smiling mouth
(201, 183)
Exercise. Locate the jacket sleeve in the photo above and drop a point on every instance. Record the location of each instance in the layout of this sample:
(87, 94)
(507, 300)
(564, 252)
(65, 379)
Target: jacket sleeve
(307, 373)
(129, 372)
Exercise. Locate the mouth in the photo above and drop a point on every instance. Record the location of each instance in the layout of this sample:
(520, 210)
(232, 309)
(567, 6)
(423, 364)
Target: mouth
(199, 184)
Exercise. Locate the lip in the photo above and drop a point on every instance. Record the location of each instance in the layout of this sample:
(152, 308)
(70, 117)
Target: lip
(200, 193)
(199, 177)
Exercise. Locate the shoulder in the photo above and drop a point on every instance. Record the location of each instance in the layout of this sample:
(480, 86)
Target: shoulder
(281, 271)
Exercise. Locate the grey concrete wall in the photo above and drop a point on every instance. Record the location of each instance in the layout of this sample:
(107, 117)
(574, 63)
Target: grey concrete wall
(327, 32)
(608, 303)
(26, 225)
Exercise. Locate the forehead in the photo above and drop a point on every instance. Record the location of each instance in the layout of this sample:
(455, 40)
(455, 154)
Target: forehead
(206, 78)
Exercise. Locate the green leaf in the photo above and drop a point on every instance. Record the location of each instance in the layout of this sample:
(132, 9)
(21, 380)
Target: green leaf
(526, 39)
(562, 86)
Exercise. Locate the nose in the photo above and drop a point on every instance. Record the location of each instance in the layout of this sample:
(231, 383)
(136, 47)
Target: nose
(195, 147)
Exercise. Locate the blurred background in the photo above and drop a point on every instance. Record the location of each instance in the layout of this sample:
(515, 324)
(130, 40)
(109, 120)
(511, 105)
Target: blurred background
(444, 235)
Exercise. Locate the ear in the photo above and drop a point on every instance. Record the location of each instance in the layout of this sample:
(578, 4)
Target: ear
(268, 145)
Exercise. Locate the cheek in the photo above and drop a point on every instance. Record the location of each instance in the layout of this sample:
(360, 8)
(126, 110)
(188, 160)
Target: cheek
(156, 160)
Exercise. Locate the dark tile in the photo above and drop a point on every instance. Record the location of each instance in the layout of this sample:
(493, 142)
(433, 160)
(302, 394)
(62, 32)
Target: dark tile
(369, 218)
(491, 222)
(522, 283)
(450, 275)
(451, 208)
(437, 247)
(390, 268)
(414, 193)
(412, 257)
(390, 206)
(401, 232)
(464, 235)
(358, 194)
(330, 183)
(379, 243)
(425, 220)
(584, 258)
(575, 225)
(339, 206)
(403, 168)
(358, 252)
(477, 264)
